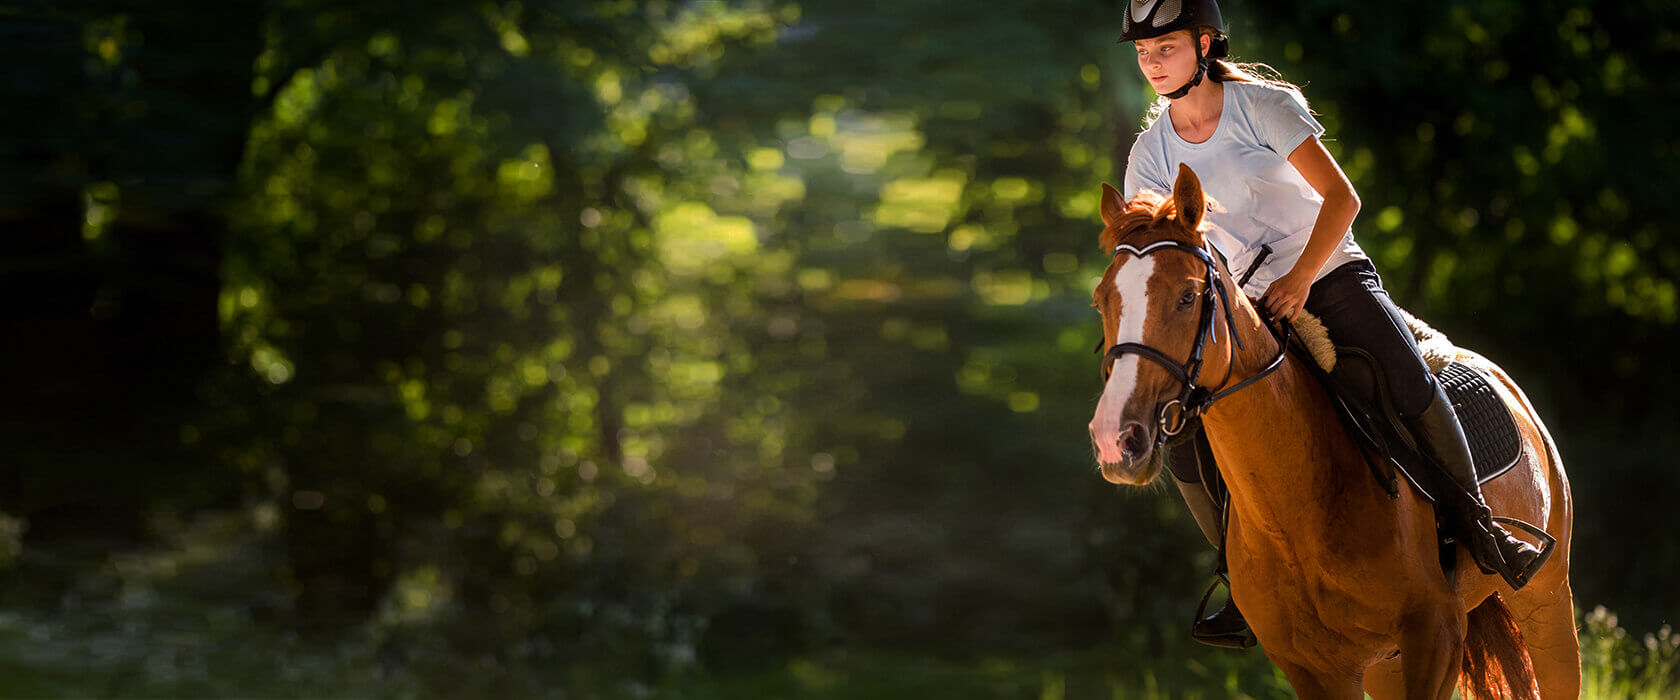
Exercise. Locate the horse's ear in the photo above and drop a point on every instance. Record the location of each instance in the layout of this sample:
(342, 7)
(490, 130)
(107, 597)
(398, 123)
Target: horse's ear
(1112, 204)
(1187, 194)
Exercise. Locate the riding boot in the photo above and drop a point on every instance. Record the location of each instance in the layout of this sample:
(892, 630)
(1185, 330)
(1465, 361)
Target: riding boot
(1202, 508)
(1442, 441)
(1226, 627)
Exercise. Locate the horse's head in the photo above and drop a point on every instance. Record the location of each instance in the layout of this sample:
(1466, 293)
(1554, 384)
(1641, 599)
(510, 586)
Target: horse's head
(1156, 301)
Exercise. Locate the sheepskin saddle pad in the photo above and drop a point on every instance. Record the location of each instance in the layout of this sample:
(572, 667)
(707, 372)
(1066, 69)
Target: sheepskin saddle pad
(1487, 422)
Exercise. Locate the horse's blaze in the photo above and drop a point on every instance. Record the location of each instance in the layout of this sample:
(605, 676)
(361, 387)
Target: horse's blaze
(1118, 457)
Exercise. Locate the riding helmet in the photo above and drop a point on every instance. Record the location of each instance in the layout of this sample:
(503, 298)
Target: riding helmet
(1147, 19)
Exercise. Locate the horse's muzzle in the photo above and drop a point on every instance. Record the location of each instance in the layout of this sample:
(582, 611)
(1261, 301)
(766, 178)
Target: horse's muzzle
(1132, 466)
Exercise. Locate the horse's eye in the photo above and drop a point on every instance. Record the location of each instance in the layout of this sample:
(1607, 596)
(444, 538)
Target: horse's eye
(1185, 300)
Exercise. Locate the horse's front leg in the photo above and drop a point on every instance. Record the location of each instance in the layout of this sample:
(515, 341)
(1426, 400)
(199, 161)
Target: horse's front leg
(1431, 651)
(1385, 681)
(1316, 684)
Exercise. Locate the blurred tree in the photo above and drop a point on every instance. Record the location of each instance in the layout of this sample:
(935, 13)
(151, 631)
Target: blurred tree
(509, 383)
(1513, 168)
(951, 157)
(115, 230)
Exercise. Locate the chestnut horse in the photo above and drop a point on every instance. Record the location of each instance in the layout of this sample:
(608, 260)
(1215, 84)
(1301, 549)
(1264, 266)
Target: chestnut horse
(1334, 577)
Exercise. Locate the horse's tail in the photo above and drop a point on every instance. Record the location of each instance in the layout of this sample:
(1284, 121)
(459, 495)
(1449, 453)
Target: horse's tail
(1496, 662)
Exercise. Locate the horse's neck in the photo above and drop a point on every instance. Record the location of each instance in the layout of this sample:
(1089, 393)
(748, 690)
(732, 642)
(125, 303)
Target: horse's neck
(1270, 439)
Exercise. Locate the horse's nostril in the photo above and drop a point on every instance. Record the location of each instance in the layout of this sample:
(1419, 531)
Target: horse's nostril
(1131, 439)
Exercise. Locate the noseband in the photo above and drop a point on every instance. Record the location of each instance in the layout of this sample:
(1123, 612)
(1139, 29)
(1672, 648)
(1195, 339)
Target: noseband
(1174, 415)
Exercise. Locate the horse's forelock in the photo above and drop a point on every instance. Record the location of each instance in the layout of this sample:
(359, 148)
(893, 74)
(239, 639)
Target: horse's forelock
(1145, 211)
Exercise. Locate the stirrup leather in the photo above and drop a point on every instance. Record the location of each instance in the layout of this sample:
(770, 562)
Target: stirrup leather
(1235, 638)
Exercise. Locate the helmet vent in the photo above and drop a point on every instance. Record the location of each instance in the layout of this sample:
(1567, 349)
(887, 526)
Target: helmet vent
(1148, 19)
(1167, 13)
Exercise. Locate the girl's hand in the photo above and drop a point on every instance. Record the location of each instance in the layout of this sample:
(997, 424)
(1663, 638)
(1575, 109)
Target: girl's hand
(1287, 295)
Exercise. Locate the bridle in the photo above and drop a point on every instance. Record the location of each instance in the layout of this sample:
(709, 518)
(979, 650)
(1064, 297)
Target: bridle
(1175, 415)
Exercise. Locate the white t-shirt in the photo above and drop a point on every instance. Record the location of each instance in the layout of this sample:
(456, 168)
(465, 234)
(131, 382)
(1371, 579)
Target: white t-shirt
(1245, 167)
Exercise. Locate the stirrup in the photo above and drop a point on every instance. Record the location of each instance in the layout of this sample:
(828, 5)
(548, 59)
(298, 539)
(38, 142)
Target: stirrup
(1235, 638)
(1517, 579)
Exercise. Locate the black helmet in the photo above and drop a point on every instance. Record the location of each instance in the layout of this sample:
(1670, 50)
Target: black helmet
(1147, 19)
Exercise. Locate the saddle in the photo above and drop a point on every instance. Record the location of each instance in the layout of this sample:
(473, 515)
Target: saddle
(1490, 429)
(1388, 446)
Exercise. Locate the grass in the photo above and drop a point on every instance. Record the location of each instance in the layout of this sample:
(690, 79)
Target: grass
(201, 617)
(1101, 673)
(1617, 665)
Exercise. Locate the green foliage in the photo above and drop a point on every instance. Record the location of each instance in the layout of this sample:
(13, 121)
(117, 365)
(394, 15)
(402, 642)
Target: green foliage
(194, 614)
(1618, 665)
(1097, 673)
(1512, 162)
(497, 344)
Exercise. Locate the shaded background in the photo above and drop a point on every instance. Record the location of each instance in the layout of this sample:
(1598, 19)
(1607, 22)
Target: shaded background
(727, 349)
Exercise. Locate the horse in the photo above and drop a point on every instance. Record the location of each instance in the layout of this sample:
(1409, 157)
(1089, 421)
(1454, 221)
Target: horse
(1341, 584)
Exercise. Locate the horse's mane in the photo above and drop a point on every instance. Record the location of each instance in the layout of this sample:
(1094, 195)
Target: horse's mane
(1146, 209)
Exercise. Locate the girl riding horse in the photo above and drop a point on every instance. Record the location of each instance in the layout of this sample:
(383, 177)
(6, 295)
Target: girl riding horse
(1255, 146)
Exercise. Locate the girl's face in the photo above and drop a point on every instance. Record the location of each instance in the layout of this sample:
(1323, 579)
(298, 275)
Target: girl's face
(1168, 61)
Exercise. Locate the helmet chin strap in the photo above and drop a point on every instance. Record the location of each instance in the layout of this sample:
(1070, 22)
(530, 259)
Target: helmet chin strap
(1202, 62)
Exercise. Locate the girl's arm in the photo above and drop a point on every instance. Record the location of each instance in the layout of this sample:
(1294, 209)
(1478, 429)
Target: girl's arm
(1286, 296)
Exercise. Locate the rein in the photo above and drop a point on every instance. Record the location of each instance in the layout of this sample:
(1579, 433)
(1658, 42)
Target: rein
(1193, 400)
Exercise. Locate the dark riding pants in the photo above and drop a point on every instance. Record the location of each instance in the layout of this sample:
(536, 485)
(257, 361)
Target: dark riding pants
(1359, 315)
